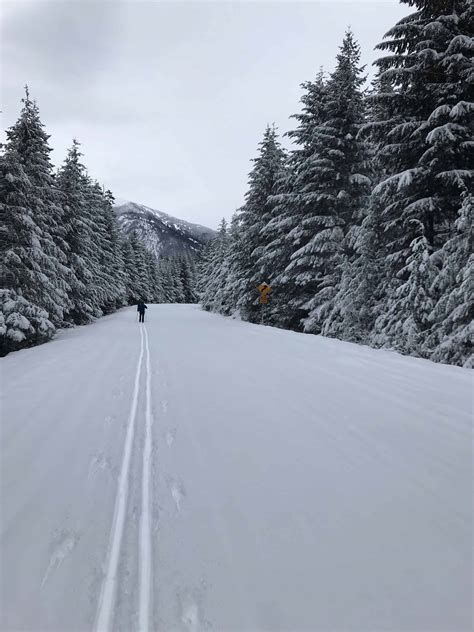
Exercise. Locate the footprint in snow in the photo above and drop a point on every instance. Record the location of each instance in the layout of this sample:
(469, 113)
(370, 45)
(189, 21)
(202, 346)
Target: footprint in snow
(100, 462)
(191, 608)
(117, 393)
(62, 548)
(170, 437)
(189, 613)
(178, 493)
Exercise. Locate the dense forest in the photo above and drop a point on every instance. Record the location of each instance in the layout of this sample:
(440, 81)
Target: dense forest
(363, 229)
(64, 260)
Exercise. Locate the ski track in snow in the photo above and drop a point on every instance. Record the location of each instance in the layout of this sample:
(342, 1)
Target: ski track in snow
(145, 519)
(106, 604)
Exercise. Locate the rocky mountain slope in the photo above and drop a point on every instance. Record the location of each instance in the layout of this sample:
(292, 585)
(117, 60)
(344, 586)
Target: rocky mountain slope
(163, 235)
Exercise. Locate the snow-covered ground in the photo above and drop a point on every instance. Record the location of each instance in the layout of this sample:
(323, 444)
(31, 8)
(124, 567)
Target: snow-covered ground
(201, 473)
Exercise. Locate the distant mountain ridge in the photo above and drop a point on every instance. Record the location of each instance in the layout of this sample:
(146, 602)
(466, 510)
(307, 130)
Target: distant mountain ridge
(162, 234)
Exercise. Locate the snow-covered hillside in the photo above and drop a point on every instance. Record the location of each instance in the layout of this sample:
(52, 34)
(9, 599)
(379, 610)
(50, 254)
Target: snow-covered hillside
(200, 473)
(163, 235)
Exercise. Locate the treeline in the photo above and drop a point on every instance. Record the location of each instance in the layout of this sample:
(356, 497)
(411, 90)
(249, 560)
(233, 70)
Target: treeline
(177, 279)
(364, 229)
(64, 260)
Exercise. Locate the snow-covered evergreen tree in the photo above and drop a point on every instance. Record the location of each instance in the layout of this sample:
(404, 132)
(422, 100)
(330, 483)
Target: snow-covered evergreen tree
(141, 282)
(406, 322)
(178, 291)
(233, 284)
(187, 275)
(288, 228)
(362, 289)
(167, 282)
(333, 188)
(21, 323)
(128, 258)
(114, 260)
(151, 277)
(158, 284)
(102, 251)
(215, 273)
(202, 267)
(83, 254)
(427, 155)
(33, 248)
(453, 316)
(359, 299)
(245, 273)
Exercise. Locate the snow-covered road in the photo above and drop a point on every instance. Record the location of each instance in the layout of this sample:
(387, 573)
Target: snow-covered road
(200, 473)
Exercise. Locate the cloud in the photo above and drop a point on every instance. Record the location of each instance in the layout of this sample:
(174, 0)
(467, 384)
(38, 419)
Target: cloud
(62, 50)
(170, 99)
(71, 41)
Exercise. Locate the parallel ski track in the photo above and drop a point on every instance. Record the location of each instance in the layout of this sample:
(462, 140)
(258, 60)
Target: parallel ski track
(145, 519)
(107, 601)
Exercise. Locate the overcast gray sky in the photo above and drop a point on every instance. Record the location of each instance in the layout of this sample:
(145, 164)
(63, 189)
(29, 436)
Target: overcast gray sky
(170, 99)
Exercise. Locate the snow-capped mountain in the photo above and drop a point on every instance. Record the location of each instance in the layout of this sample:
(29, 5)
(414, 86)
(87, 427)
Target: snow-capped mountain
(163, 235)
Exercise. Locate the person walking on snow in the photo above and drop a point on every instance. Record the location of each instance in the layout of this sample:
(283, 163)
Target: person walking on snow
(141, 307)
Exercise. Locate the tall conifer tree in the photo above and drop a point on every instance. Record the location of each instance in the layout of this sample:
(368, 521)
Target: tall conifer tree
(245, 251)
(33, 247)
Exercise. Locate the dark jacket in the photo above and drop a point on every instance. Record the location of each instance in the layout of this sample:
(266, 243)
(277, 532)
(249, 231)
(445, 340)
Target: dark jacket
(141, 307)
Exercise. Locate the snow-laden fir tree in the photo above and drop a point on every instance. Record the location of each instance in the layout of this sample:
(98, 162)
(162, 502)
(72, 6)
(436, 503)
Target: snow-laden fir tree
(141, 282)
(427, 155)
(33, 248)
(187, 275)
(453, 316)
(177, 286)
(108, 279)
(150, 274)
(144, 276)
(361, 293)
(22, 321)
(82, 252)
(128, 257)
(232, 290)
(202, 267)
(114, 259)
(167, 281)
(214, 274)
(359, 299)
(158, 283)
(407, 319)
(288, 227)
(330, 194)
(245, 250)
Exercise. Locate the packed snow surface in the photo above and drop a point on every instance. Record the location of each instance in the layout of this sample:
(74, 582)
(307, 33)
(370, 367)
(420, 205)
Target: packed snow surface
(201, 473)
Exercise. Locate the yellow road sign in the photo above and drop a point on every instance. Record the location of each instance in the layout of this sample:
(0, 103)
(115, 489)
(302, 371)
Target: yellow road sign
(264, 290)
